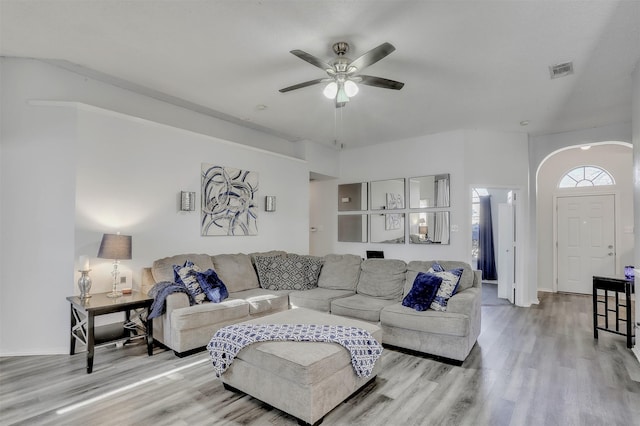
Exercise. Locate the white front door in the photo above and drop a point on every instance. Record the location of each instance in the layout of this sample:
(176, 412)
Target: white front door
(586, 241)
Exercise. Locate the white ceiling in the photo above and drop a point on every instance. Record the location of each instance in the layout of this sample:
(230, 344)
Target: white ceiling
(465, 64)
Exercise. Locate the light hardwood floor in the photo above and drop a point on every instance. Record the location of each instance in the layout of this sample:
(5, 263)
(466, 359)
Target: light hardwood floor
(531, 366)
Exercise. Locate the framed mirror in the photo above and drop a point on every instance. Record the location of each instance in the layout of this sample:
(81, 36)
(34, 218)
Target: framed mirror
(352, 197)
(387, 228)
(429, 191)
(387, 194)
(429, 228)
(352, 228)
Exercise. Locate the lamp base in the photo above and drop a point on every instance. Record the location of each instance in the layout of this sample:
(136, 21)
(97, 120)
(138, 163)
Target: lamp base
(114, 294)
(84, 284)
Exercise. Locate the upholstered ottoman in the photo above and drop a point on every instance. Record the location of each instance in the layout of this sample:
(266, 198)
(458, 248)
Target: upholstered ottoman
(304, 379)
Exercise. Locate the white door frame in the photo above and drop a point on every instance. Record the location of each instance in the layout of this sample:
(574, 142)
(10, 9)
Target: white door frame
(571, 192)
(522, 224)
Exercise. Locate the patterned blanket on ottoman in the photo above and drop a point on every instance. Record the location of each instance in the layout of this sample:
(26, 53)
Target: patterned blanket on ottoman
(229, 340)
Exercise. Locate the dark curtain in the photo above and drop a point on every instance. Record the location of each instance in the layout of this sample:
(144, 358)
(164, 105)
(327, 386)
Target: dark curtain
(486, 257)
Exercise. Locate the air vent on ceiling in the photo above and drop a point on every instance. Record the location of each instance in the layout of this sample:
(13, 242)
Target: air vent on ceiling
(561, 70)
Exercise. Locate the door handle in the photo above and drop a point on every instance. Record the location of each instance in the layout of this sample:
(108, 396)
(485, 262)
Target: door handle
(610, 247)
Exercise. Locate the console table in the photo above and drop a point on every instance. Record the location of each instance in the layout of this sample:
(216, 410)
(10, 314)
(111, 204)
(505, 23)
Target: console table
(84, 311)
(618, 286)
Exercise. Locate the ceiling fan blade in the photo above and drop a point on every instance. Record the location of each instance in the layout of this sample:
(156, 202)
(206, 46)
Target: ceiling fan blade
(372, 56)
(385, 83)
(301, 85)
(311, 59)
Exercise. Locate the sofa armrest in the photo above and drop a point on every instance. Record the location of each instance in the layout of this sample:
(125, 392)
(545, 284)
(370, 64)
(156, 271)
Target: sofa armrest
(465, 301)
(147, 281)
(176, 301)
(477, 279)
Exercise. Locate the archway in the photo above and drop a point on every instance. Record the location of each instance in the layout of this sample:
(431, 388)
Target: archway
(614, 157)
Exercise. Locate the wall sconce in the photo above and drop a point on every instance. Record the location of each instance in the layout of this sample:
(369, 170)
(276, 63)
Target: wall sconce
(270, 203)
(187, 201)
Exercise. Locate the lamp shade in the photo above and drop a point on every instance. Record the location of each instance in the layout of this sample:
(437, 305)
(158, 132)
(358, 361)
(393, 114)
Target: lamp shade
(331, 90)
(350, 88)
(115, 246)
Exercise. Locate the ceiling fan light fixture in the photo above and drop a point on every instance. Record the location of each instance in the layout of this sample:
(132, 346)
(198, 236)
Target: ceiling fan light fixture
(344, 80)
(342, 95)
(331, 90)
(351, 88)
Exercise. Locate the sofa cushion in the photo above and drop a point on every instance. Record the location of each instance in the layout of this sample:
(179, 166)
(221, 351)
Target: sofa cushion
(263, 301)
(212, 286)
(236, 271)
(359, 306)
(340, 272)
(429, 321)
(382, 278)
(209, 313)
(318, 299)
(423, 292)
(415, 266)
(186, 275)
(291, 272)
(162, 269)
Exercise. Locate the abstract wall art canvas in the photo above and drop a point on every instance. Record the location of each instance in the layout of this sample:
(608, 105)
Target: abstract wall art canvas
(394, 201)
(393, 221)
(229, 201)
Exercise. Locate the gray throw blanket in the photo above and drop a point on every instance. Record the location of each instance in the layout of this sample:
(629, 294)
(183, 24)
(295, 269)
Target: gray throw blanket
(229, 340)
(160, 291)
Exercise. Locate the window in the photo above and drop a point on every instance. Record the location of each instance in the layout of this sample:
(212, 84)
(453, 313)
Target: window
(586, 176)
(475, 219)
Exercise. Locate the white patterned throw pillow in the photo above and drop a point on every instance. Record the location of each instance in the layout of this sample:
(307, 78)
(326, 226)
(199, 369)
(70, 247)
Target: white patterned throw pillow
(186, 274)
(447, 288)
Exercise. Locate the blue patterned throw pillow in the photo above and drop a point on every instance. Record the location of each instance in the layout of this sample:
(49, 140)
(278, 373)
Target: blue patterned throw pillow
(448, 287)
(423, 292)
(212, 285)
(185, 275)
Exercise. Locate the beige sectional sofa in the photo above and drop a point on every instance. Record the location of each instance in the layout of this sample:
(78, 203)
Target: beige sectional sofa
(370, 290)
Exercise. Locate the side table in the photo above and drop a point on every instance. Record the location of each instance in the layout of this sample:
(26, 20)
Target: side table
(618, 286)
(84, 311)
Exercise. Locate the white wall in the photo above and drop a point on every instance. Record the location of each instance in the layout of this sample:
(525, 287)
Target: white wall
(635, 116)
(37, 220)
(471, 157)
(541, 147)
(322, 159)
(128, 173)
(401, 159)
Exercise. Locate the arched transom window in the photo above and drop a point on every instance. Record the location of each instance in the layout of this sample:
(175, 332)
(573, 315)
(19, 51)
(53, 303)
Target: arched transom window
(586, 176)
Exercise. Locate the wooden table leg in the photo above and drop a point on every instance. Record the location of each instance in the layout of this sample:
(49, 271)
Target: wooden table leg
(72, 342)
(149, 329)
(90, 342)
(627, 293)
(595, 310)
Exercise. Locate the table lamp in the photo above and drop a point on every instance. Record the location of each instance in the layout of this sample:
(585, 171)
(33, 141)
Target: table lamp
(116, 247)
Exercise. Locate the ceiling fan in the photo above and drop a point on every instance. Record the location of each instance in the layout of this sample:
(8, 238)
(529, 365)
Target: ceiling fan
(344, 74)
